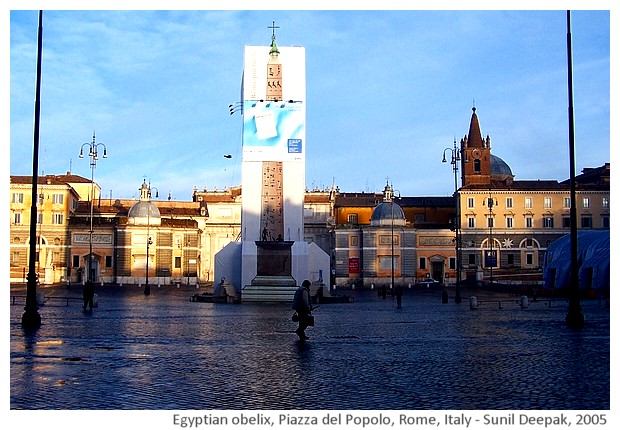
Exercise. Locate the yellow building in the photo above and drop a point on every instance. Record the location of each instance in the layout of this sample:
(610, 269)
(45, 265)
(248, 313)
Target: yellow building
(58, 197)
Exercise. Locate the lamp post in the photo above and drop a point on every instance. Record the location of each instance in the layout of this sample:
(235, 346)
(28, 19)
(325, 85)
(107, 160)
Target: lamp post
(455, 157)
(491, 260)
(149, 240)
(93, 153)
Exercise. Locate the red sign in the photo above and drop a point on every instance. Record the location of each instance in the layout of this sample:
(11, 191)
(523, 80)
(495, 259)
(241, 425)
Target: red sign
(354, 265)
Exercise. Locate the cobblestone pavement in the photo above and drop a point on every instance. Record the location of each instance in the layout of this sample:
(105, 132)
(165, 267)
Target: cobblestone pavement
(163, 352)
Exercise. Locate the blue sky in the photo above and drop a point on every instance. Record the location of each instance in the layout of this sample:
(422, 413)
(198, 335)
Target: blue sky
(387, 91)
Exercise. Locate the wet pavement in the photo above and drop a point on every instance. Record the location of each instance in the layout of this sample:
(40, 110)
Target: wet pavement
(163, 352)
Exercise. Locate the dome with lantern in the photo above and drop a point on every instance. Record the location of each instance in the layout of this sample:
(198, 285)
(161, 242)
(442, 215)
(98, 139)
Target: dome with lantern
(144, 212)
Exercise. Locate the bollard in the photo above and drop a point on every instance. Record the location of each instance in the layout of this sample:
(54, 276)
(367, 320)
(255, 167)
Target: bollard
(473, 302)
(524, 302)
(40, 298)
(444, 297)
(95, 300)
(372, 286)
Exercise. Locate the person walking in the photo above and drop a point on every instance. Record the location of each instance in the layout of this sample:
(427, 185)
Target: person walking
(88, 294)
(301, 305)
(398, 291)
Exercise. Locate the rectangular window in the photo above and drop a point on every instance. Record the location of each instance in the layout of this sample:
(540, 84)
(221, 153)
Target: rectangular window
(586, 221)
(529, 258)
(508, 202)
(57, 219)
(470, 202)
(509, 222)
(352, 219)
(528, 203)
(58, 199)
(76, 261)
(18, 198)
(605, 221)
(605, 203)
(565, 222)
(586, 202)
(15, 257)
(511, 259)
(490, 222)
(108, 261)
(472, 259)
(471, 222)
(548, 222)
(17, 218)
(566, 204)
(422, 263)
(354, 240)
(529, 222)
(452, 263)
(548, 202)
(177, 262)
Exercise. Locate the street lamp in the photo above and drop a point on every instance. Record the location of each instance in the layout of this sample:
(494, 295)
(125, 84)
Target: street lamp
(455, 157)
(391, 196)
(93, 153)
(491, 260)
(149, 240)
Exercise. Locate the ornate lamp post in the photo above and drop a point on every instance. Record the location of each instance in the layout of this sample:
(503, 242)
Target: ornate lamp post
(93, 153)
(455, 158)
(149, 240)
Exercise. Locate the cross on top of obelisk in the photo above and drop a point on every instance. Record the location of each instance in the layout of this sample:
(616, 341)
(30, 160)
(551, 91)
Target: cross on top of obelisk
(273, 30)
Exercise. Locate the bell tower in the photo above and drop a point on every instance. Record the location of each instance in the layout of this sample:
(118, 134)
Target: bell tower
(476, 155)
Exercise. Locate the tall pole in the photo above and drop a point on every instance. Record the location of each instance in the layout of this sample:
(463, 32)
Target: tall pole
(31, 318)
(454, 160)
(574, 316)
(93, 153)
(491, 260)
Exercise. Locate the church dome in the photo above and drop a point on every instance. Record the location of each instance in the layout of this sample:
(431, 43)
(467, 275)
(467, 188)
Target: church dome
(500, 170)
(144, 212)
(387, 213)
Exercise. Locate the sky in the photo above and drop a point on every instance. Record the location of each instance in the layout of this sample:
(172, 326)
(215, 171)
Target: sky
(387, 92)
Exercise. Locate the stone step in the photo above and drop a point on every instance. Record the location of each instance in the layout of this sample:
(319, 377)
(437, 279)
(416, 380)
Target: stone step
(268, 293)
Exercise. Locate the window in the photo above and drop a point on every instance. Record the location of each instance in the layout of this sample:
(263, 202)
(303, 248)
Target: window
(529, 242)
(586, 221)
(18, 198)
(548, 202)
(566, 203)
(509, 222)
(471, 222)
(489, 202)
(15, 257)
(57, 218)
(108, 261)
(452, 263)
(422, 263)
(548, 222)
(508, 202)
(490, 222)
(605, 203)
(354, 240)
(476, 166)
(529, 258)
(177, 262)
(352, 219)
(528, 203)
(17, 218)
(605, 221)
(472, 259)
(76, 261)
(58, 199)
(511, 259)
(565, 222)
(470, 202)
(586, 202)
(39, 217)
(529, 221)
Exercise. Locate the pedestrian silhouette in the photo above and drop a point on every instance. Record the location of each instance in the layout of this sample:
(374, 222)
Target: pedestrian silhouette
(303, 309)
(398, 291)
(88, 293)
